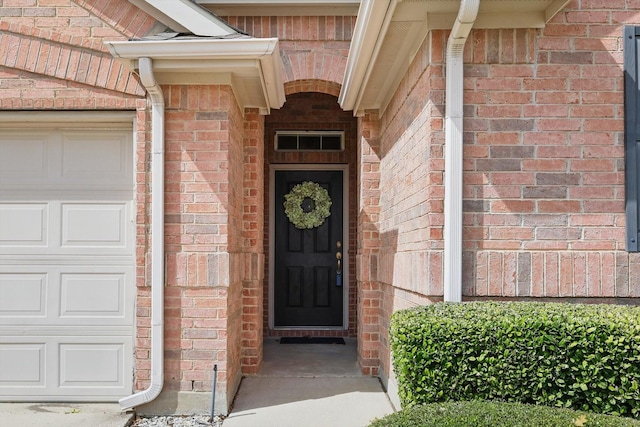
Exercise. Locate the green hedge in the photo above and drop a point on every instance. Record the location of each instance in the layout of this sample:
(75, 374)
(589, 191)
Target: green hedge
(585, 357)
(496, 414)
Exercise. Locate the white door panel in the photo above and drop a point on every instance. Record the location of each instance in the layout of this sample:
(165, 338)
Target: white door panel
(24, 158)
(23, 295)
(71, 160)
(23, 224)
(71, 295)
(63, 368)
(23, 364)
(66, 228)
(95, 225)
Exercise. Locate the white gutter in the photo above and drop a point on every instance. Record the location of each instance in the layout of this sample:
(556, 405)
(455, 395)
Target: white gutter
(454, 115)
(157, 239)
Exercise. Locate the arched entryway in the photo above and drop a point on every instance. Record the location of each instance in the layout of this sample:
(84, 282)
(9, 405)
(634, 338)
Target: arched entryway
(295, 151)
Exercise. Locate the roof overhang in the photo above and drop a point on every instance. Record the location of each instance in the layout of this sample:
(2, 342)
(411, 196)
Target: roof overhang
(388, 34)
(251, 66)
(281, 7)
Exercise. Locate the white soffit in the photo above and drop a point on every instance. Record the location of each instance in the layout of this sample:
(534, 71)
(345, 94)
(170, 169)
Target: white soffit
(186, 17)
(388, 34)
(252, 66)
(282, 7)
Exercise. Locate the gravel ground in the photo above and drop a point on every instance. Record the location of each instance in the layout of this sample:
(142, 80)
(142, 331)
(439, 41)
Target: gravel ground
(178, 421)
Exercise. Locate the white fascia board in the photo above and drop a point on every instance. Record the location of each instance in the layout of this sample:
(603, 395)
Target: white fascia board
(373, 19)
(192, 17)
(182, 59)
(199, 48)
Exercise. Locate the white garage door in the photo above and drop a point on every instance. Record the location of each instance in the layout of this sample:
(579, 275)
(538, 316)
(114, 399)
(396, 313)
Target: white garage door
(66, 264)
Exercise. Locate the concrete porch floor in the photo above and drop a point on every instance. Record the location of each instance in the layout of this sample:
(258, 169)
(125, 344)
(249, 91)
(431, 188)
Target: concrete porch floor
(310, 360)
(309, 385)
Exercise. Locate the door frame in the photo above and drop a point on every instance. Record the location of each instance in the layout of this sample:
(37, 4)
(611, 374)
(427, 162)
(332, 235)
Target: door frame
(345, 234)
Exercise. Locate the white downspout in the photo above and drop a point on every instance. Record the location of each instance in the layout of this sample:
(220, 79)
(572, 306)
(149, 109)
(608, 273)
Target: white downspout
(453, 149)
(157, 239)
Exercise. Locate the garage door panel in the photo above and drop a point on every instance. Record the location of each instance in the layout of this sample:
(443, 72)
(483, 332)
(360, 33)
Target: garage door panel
(103, 159)
(22, 365)
(24, 157)
(23, 295)
(66, 228)
(91, 365)
(60, 368)
(94, 225)
(91, 296)
(72, 159)
(24, 224)
(68, 295)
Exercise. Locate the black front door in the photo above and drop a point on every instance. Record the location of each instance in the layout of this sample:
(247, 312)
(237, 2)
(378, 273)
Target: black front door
(308, 274)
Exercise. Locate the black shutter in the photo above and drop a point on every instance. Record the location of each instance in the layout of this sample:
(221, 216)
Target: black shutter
(632, 134)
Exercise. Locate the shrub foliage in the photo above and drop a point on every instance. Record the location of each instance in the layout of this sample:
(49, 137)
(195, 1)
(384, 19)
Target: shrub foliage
(497, 414)
(585, 357)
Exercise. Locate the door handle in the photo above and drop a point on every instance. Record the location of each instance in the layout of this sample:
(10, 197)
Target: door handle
(339, 259)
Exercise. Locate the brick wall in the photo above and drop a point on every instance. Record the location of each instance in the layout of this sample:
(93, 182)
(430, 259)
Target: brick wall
(312, 48)
(368, 244)
(401, 192)
(253, 242)
(83, 22)
(544, 178)
(203, 237)
(543, 168)
(52, 54)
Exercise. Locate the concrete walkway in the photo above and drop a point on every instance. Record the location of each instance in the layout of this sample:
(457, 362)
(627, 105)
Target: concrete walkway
(63, 415)
(309, 385)
(309, 402)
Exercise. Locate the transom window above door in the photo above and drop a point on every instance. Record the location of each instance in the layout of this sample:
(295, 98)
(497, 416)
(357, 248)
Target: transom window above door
(292, 140)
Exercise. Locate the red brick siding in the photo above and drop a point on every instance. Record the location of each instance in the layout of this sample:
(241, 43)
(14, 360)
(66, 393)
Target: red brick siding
(234, 229)
(543, 170)
(203, 203)
(544, 179)
(33, 52)
(21, 90)
(312, 48)
(293, 28)
(368, 244)
(86, 23)
(52, 56)
(252, 233)
(121, 15)
(543, 163)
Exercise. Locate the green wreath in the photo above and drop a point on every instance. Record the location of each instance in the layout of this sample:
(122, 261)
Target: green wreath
(307, 205)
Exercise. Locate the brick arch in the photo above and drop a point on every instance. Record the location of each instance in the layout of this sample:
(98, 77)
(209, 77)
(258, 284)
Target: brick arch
(321, 86)
(63, 57)
(320, 61)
